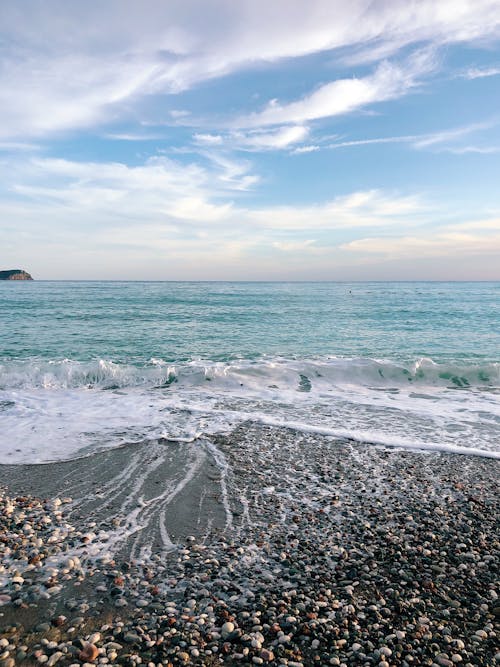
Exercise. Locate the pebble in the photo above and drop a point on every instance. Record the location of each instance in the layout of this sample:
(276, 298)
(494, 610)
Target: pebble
(311, 589)
(88, 653)
(227, 629)
(267, 655)
(54, 658)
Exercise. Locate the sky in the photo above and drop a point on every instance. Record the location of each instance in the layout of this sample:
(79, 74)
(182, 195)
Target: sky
(250, 140)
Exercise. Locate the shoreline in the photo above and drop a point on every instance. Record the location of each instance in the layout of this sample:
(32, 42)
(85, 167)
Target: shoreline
(265, 546)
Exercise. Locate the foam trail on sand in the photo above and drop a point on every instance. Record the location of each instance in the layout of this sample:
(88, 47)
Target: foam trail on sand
(377, 438)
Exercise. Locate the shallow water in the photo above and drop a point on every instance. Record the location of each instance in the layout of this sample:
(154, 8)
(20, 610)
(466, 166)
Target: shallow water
(86, 366)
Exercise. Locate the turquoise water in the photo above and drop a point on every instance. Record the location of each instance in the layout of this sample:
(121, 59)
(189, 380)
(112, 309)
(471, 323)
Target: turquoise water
(134, 322)
(94, 364)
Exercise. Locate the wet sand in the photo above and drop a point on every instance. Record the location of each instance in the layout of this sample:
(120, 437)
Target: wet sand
(265, 546)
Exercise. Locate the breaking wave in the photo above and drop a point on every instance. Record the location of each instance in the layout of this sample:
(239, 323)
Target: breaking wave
(304, 375)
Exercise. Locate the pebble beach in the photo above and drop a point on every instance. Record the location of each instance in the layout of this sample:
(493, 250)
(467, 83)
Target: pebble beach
(284, 548)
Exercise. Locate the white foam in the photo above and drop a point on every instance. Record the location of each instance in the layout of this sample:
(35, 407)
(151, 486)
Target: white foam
(375, 438)
(102, 373)
(362, 399)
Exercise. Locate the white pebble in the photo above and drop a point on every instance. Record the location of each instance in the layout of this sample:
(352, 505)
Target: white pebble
(227, 628)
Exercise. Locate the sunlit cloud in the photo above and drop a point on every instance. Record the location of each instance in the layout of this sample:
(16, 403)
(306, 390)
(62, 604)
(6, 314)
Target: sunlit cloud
(437, 245)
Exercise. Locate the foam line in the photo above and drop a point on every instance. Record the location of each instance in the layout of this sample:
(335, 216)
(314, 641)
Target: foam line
(375, 438)
(223, 466)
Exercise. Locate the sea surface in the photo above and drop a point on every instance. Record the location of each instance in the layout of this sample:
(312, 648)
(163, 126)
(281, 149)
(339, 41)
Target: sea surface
(87, 366)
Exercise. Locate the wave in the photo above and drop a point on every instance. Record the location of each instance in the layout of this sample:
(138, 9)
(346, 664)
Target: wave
(299, 374)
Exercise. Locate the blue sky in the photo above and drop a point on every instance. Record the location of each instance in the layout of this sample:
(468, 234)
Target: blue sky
(220, 140)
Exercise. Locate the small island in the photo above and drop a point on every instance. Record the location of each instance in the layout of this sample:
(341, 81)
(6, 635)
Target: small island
(15, 274)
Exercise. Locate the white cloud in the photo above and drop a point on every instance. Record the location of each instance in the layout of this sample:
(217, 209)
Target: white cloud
(72, 65)
(464, 150)
(256, 140)
(450, 135)
(233, 174)
(281, 138)
(409, 138)
(165, 191)
(307, 246)
(342, 96)
(167, 219)
(481, 73)
(372, 208)
(448, 244)
(486, 223)
(160, 191)
(14, 146)
(208, 139)
(130, 136)
(444, 140)
(311, 148)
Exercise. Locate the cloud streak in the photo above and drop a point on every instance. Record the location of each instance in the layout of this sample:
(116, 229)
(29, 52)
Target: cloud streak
(389, 81)
(481, 73)
(67, 65)
(257, 140)
(448, 244)
(444, 140)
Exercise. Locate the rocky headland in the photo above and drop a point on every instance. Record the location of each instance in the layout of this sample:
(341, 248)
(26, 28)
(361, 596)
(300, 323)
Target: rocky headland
(15, 274)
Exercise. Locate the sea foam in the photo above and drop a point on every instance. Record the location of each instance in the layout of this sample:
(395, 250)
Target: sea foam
(52, 410)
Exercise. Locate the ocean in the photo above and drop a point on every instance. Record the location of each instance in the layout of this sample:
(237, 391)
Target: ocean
(91, 366)
(247, 473)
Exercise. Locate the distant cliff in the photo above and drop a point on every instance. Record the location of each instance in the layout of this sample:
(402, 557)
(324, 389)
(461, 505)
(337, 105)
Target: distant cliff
(15, 274)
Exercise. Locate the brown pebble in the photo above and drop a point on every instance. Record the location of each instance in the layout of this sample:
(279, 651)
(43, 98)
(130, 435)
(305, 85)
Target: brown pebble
(267, 655)
(88, 653)
(58, 621)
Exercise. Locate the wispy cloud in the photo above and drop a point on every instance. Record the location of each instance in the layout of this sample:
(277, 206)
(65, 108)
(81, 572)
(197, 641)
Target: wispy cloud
(438, 245)
(14, 146)
(408, 138)
(447, 136)
(130, 136)
(189, 215)
(97, 62)
(183, 199)
(443, 140)
(370, 208)
(342, 96)
(485, 223)
(465, 150)
(480, 73)
(256, 140)
(311, 148)
(299, 246)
